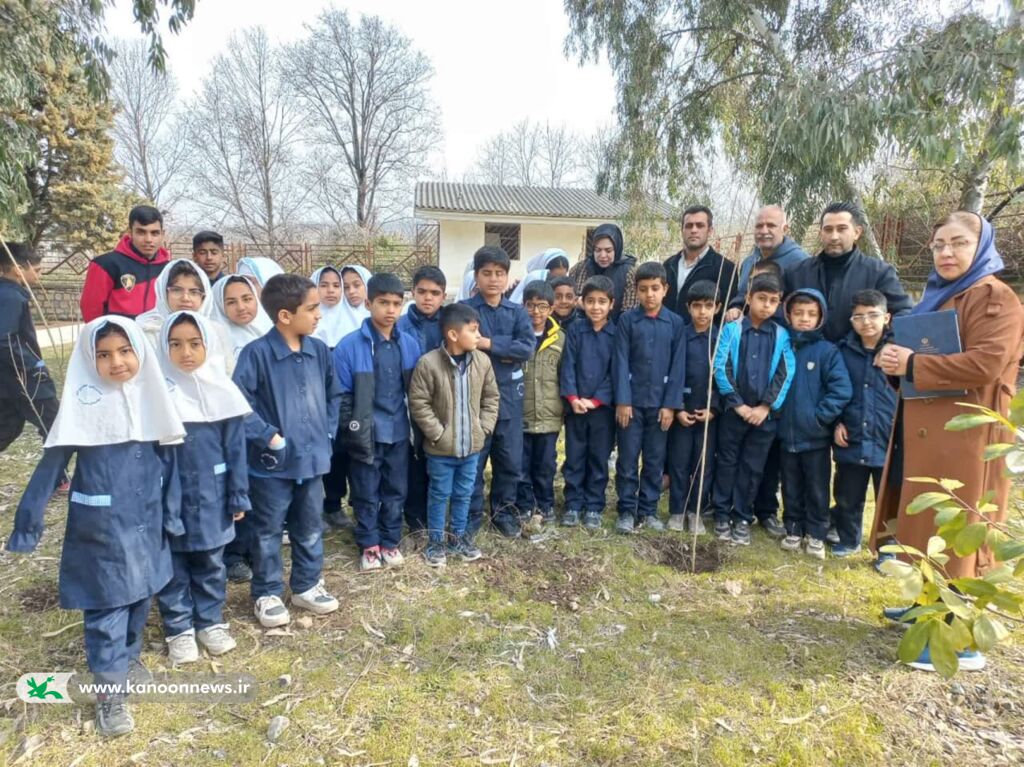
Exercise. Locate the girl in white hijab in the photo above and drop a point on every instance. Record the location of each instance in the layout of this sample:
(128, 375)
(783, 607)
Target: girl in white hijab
(259, 269)
(468, 287)
(213, 473)
(342, 301)
(237, 307)
(117, 417)
(183, 286)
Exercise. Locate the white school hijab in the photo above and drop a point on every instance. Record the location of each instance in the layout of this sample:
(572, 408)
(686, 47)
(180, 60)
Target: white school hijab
(151, 321)
(258, 327)
(468, 283)
(339, 320)
(206, 394)
(534, 276)
(545, 257)
(259, 267)
(94, 411)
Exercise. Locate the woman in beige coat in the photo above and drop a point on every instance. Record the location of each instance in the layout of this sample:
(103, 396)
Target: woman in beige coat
(991, 325)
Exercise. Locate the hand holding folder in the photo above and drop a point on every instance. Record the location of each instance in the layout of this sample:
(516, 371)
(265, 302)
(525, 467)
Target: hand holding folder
(928, 333)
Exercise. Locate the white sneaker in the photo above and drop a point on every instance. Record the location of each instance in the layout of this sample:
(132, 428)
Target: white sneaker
(271, 612)
(286, 539)
(791, 543)
(370, 559)
(392, 557)
(815, 547)
(216, 639)
(182, 648)
(316, 600)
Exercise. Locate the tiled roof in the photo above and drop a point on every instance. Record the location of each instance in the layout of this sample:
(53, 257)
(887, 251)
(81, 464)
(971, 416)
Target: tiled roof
(533, 201)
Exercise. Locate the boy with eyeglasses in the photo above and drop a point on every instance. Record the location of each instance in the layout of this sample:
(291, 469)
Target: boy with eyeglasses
(542, 406)
(862, 434)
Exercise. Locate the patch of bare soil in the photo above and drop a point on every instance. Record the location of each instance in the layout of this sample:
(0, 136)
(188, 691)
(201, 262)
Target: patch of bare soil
(676, 551)
(547, 575)
(38, 598)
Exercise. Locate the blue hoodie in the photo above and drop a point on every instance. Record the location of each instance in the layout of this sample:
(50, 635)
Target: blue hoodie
(821, 386)
(869, 415)
(786, 255)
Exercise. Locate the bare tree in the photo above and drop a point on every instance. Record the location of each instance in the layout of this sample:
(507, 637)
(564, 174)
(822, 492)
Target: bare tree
(242, 140)
(150, 143)
(531, 154)
(366, 90)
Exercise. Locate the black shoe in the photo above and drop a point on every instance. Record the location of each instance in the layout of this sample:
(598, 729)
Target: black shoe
(507, 524)
(741, 534)
(435, 554)
(625, 524)
(723, 531)
(773, 527)
(570, 518)
(338, 520)
(592, 520)
(464, 548)
(113, 718)
(547, 516)
(239, 572)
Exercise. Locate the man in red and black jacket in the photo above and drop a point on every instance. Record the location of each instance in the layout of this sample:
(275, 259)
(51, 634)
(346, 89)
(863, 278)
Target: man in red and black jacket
(123, 280)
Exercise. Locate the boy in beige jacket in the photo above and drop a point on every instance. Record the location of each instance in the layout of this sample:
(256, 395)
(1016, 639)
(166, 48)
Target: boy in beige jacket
(453, 398)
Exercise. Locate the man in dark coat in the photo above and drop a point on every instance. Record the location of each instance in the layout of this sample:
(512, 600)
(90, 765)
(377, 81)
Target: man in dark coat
(841, 270)
(698, 261)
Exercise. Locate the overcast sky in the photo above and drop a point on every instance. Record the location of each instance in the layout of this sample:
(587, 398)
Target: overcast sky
(496, 62)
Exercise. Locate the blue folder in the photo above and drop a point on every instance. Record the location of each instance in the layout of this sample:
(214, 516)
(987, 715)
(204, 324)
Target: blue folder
(928, 333)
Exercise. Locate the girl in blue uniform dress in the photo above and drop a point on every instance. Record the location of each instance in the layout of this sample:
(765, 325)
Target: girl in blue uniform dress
(214, 481)
(117, 416)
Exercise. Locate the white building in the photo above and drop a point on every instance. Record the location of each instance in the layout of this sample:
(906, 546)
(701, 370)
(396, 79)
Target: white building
(523, 220)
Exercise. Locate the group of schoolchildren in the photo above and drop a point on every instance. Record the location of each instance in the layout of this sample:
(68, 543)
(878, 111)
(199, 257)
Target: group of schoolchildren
(236, 413)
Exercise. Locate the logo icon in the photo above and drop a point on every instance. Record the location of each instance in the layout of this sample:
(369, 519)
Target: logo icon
(128, 282)
(88, 394)
(810, 366)
(37, 690)
(353, 425)
(924, 341)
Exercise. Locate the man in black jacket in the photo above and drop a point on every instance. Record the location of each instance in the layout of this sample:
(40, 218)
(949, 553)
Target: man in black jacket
(841, 270)
(697, 261)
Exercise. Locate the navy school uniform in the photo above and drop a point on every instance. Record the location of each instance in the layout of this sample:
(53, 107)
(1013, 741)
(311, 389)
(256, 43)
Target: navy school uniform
(508, 327)
(647, 374)
(27, 392)
(427, 331)
(123, 505)
(689, 466)
(374, 374)
(294, 394)
(820, 391)
(868, 419)
(587, 373)
(753, 366)
(213, 474)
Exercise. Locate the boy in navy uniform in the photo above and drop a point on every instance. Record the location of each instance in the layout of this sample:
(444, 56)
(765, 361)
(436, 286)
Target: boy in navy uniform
(564, 311)
(586, 383)
(289, 381)
(691, 455)
(648, 367)
(753, 371)
(27, 392)
(374, 365)
(422, 321)
(507, 337)
(862, 434)
(820, 391)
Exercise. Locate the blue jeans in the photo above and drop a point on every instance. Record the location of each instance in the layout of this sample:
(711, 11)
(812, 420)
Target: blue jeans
(450, 478)
(194, 597)
(377, 493)
(275, 502)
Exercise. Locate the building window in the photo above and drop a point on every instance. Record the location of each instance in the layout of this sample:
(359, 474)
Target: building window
(504, 236)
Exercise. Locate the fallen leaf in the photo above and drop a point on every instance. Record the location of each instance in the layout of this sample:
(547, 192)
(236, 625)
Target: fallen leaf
(733, 588)
(371, 630)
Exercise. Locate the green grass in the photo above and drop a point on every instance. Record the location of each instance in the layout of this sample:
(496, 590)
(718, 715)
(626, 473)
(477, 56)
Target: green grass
(550, 653)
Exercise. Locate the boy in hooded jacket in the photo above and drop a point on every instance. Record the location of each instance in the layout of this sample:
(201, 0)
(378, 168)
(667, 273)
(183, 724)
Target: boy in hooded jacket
(821, 389)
